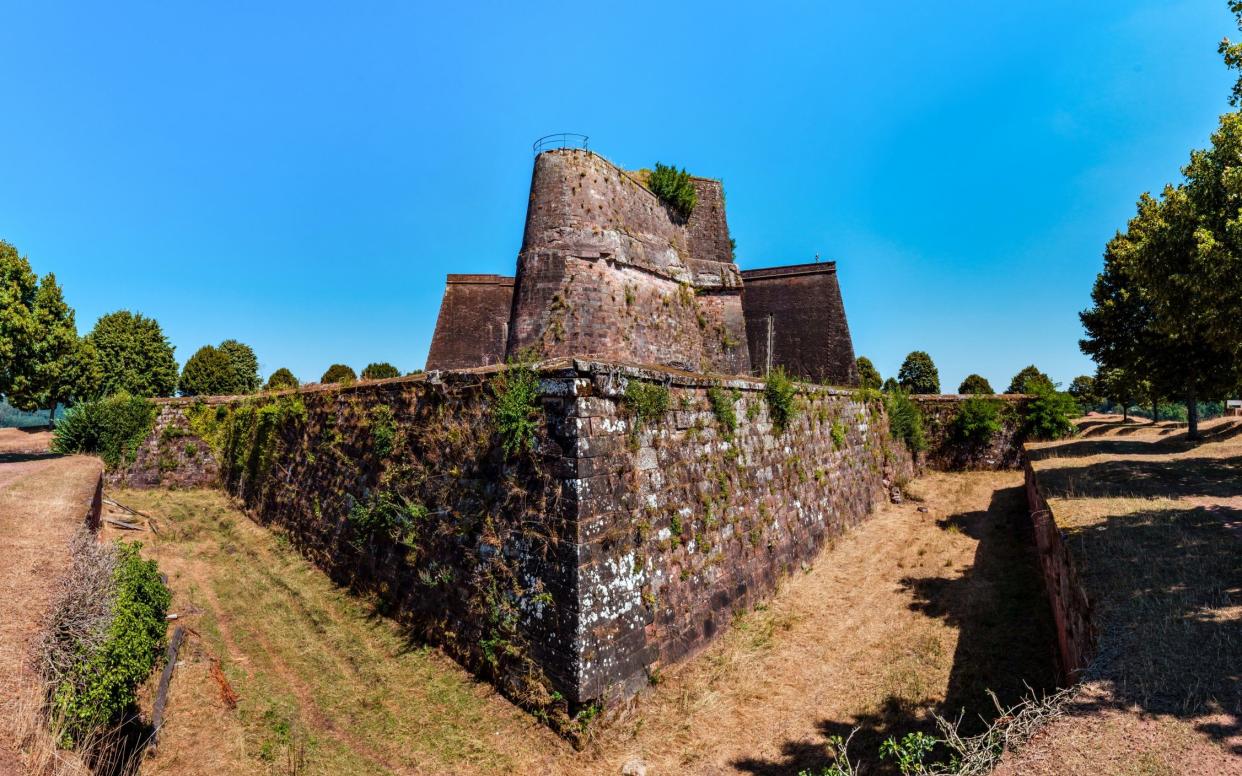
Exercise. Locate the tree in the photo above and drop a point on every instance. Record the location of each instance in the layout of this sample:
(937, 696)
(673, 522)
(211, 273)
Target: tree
(975, 384)
(209, 372)
(282, 378)
(133, 355)
(338, 373)
(1025, 380)
(380, 371)
(1082, 388)
(244, 366)
(1232, 54)
(54, 354)
(890, 385)
(868, 375)
(18, 285)
(918, 374)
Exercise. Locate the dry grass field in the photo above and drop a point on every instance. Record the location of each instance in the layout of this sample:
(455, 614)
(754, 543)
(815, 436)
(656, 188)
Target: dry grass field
(913, 612)
(1155, 525)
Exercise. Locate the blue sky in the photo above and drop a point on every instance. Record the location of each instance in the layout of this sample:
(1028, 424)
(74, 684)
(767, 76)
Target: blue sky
(301, 176)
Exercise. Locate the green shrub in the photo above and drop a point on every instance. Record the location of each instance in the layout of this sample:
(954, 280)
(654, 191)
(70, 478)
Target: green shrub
(1048, 414)
(723, 408)
(838, 435)
(905, 420)
(112, 428)
(782, 396)
(645, 401)
(977, 421)
(517, 409)
(386, 517)
(675, 188)
(910, 752)
(103, 681)
(383, 429)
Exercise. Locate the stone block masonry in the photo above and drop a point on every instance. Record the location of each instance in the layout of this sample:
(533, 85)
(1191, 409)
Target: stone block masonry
(568, 572)
(946, 452)
(473, 325)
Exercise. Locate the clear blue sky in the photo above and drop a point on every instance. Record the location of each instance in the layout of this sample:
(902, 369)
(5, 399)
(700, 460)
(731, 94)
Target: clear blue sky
(301, 176)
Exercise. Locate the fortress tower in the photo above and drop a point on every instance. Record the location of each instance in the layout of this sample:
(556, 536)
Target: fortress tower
(608, 271)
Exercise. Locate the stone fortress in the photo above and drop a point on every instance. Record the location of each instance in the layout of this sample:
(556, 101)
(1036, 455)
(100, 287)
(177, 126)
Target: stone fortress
(608, 272)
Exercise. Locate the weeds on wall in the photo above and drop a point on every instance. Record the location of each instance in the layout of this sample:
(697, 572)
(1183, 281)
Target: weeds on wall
(977, 422)
(644, 402)
(905, 420)
(103, 636)
(675, 188)
(723, 407)
(516, 410)
(781, 395)
(113, 428)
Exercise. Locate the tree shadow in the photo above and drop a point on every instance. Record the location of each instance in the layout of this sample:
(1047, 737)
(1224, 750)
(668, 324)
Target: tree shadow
(1005, 643)
(23, 457)
(1179, 478)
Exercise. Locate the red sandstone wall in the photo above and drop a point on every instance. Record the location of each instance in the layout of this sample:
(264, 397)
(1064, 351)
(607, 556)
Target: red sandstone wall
(810, 337)
(473, 326)
(1071, 608)
(607, 271)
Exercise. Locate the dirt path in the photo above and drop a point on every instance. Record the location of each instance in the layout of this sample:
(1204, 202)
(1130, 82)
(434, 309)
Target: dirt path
(912, 612)
(42, 503)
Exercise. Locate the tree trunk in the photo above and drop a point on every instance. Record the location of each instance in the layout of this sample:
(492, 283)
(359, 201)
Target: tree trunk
(1192, 416)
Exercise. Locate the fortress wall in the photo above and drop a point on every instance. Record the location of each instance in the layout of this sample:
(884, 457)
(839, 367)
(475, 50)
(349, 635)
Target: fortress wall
(473, 325)
(808, 333)
(604, 265)
(567, 573)
(946, 452)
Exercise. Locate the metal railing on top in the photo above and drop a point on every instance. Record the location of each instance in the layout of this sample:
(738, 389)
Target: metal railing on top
(561, 140)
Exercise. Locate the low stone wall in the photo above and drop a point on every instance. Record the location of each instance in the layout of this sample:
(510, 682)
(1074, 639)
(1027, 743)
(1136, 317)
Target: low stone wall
(566, 572)
(1071, 608)
(946, 452)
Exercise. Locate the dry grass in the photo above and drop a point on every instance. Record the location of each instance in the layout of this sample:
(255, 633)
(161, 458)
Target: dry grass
(1155, 526)
(910, 614)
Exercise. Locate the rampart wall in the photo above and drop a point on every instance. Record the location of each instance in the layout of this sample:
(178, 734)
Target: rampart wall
(946, 452)
(566, 572)
(472, 328)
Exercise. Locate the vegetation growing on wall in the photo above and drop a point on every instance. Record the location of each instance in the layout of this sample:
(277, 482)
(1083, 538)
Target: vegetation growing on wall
(645, 402)
(516, 411)
(674, 187)
(112, 428)
(782, 396)
(905, 420)
(104, 634)
(723, 403)
(977, 421)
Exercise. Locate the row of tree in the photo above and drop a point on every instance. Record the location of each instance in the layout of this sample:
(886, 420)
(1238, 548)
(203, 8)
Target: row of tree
(44, 363)
(1163, 323)
(918, 374)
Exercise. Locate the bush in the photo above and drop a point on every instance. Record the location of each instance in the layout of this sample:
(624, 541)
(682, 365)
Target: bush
(645, 401)
(339, 373)
(282, 378)
(918, 374)
(98, 668)
(977, 421)
(516, 414)
(112, 428)
(675, 188)
(1048, 414)
(723, 408)
(975, 384)
(380, 371)
(781, 395)
(905, 420)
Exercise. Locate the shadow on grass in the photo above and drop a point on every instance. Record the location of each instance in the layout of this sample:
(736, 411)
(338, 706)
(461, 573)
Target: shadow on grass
(23, 457)
(1005, 643)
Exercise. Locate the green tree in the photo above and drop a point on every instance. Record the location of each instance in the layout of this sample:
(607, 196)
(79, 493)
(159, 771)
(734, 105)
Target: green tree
(675, 188)
(380, 371)
(209, 372)
(918, 374)
(280, 379)
(1082, 388)
(18, 286)
(339, 373)
(868, 375)
(1025, 380)
(243, 364)
(55, 354)
(133, 355)
(975, 384)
